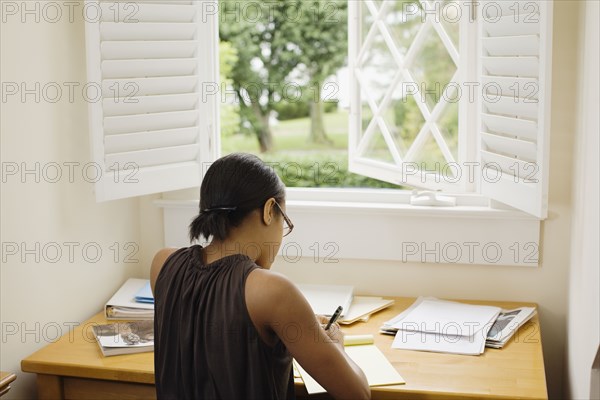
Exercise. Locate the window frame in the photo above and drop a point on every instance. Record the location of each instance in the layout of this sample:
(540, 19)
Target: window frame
(467, 113)
(512, 48)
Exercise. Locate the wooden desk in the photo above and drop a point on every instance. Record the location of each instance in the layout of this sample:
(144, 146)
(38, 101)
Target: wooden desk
(74, 368)
(5, 380)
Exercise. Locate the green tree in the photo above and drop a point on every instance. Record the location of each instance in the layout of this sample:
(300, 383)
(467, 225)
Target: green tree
(321, 34)
(265, 59)
(230, 114)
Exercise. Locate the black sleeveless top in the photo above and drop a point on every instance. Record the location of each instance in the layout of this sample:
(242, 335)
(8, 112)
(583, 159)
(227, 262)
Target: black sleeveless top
(206, 346)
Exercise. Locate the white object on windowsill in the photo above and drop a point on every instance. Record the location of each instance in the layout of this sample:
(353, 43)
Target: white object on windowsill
(429, 198)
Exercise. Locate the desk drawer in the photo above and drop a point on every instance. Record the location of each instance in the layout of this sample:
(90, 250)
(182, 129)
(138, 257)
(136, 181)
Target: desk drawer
(95, 389)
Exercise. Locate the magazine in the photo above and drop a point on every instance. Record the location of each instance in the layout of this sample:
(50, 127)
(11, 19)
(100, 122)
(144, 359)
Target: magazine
(125, 337)
(507, 323)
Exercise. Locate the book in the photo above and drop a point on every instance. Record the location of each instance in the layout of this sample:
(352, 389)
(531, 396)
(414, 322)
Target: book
(324, 299)
(362, 307)
(442, 326)
(125, 337)
(362, 350)
(123, 305)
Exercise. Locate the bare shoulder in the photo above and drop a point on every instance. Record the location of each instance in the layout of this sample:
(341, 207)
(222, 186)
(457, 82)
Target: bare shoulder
(269, 294)
(269, 285)
(157, 263)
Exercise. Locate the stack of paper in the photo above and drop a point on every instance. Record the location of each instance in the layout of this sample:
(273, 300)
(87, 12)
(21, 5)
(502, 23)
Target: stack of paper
(325, 299)
(362, 307)
(442, 326)
(367, 356)
(123, 304)
(507, 323)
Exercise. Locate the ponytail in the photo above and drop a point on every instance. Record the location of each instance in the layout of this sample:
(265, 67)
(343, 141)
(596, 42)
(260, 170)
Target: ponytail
(215, 223)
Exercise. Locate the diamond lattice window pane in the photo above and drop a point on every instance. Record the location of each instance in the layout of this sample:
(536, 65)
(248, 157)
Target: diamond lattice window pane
(403, 19)
(367, 20)
(377, 148)
(448, 126)
(366, 115)
(403, 120)
(450, 15)
(377, 67)
(431, 159)
(416, 45)
(433, 68)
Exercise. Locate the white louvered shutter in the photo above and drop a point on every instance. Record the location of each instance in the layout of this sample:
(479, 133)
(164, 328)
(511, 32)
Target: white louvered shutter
(514, 111)
(155, 123)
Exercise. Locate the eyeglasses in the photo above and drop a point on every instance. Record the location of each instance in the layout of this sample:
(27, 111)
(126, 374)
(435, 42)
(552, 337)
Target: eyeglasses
(288, 227)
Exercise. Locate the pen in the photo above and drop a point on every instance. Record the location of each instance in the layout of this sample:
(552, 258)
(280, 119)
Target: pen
(334, 317)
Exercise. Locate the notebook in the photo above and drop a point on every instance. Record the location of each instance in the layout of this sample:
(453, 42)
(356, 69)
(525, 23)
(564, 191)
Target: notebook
(324, 299)
(123, 304)
(144, 295)
(362, 350)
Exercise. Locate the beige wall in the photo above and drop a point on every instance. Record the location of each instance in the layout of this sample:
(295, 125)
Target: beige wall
(583, 333)
(67, 212)
(53, 295)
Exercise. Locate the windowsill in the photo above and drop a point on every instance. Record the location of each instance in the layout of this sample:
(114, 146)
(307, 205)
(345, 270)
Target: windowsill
(377, 201)
(392, 202)
(375, 224)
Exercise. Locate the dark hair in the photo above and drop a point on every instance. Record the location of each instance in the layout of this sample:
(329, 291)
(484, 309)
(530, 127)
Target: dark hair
(233, 186)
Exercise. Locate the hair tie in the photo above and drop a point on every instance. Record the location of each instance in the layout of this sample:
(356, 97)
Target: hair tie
(219, 209)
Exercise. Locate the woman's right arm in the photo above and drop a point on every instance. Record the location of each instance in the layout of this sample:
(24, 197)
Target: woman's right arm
(276, 302)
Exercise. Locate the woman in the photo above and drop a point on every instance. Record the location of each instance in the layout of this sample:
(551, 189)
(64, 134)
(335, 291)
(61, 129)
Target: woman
(227, 327)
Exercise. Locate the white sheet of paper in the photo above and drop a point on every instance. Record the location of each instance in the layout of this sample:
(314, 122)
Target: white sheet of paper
(324, 299)
(362, 305)
(400, 317)
(448, 318)
(439, 343)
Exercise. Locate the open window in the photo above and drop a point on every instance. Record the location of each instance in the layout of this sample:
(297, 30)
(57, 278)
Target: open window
(422, 116)
(445, 95)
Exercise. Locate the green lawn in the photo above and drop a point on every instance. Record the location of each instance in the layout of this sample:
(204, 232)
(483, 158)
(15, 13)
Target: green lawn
(301, 163)
(292, 135)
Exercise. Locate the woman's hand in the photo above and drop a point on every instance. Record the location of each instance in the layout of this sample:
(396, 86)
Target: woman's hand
(334, 332)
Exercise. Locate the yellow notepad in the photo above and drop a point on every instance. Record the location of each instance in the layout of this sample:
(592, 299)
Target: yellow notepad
(368, 357)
